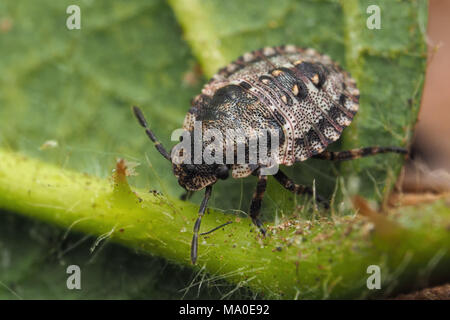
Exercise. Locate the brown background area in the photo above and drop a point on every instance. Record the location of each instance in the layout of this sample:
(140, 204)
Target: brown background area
(427, 176)
(430, 169)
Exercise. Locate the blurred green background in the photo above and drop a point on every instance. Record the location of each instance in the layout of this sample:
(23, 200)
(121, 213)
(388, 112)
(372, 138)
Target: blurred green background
(76, 87)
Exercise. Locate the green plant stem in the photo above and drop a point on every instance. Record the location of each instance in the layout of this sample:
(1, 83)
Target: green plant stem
(322, 258)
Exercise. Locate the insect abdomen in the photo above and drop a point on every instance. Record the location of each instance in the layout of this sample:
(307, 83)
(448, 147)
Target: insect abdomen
(303, 94)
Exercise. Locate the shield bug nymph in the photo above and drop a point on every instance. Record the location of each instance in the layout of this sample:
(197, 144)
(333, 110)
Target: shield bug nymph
(303, 96)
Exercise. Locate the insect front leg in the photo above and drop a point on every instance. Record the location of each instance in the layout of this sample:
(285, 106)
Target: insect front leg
(358, 153)
(255, 206)
(201, 212)
(289, 184)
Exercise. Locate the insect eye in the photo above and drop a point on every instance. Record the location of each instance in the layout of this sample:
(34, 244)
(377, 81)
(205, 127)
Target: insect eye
(222, 172)
(189, 167)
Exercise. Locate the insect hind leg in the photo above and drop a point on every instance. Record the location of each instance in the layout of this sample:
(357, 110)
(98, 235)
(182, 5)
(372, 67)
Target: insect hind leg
(187, 195)
(358, 153)
(289, 184)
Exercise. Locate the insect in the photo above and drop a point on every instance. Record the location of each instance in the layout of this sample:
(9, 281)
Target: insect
(305, 97)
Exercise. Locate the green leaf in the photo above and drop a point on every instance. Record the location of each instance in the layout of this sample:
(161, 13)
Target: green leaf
(76, 87)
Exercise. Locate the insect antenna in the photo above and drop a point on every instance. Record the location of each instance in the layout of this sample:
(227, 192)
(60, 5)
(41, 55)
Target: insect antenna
(143, 122)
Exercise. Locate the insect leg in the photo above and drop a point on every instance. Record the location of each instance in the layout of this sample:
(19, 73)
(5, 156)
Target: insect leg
(187, 195)
(358, 153)
(201, 212)
(286, 182)
(140, 116)
(255, 205)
